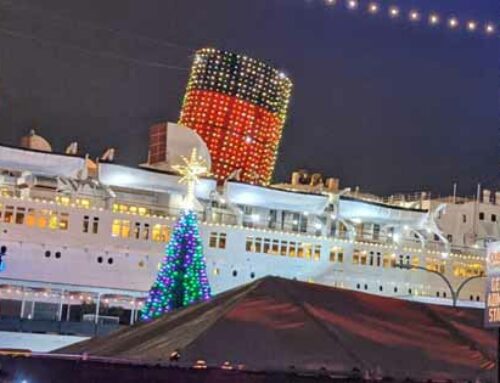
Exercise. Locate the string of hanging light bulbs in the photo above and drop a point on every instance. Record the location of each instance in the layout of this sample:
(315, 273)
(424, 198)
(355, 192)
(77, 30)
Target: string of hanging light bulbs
(415, 16)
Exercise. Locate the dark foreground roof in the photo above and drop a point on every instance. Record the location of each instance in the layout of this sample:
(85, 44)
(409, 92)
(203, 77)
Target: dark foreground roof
(278, 324)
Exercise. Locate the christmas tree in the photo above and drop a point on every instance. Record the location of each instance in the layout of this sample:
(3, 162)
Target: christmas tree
(182, 279)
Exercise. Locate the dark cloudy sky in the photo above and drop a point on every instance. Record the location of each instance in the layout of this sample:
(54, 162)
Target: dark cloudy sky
(380, 104)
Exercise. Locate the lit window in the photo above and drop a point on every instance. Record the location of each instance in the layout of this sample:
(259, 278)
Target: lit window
(161, 233)
(258, 245)
(53, 220)
(42, 220)
(116, 227)
(9, 214)
(249, 244)
(30, 218)
(292, 249)
(63, 221)
(317, 252)
(20, 211)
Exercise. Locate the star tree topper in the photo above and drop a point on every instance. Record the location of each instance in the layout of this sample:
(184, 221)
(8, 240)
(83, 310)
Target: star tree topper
(191, 170)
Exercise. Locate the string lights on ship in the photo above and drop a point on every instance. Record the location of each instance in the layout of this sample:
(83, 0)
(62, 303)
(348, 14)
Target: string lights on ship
(415, 16)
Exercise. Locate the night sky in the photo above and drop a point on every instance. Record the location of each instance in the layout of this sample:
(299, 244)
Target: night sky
(381, 104)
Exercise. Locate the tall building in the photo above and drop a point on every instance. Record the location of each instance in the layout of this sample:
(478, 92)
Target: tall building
(238, 105)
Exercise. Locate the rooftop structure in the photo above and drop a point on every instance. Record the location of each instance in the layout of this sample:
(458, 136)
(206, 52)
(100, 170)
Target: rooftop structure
(238, 105)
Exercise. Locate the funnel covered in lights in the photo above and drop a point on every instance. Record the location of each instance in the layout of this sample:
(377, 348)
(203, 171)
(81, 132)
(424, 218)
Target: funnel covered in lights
(238, 106)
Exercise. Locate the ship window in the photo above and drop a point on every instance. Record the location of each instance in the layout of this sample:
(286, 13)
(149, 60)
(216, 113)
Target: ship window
(464, 218)
(145, 232)
(235, 273)
(363, 258)
(95, 225)
(395, 289)
(444, 294)
(292, 249)
(161, 233)
(481, 216)
(358, 286)
(317, 252)
(378, 259)
(115, 228)
(110, 261)
(63, 221)
(340, 257)
(47, 254)
(493, 218)
(275, 247)
(63, 200)
(58, 254)
(449, 237)
(9, 214)
(216, 271)
(137, 230)
(284, 246)
(99, 259)
(300, 250)
(267, 246)
(42, 219)
(332, 255)
(252, 275)
(366, 287)
(83, 202)
(217, 240)
(258, 245)
(249, 244)
(437, 294)
(478, 298)
(30, 218)
(409, 291)
(415, 261)
(125, 229)
(53, 220)
(380, 288)
(356, 257)
(86, 220)
(20, 215)
(222, 240)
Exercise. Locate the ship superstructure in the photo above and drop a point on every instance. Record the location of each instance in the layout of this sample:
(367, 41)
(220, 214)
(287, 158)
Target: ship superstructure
(80, 236)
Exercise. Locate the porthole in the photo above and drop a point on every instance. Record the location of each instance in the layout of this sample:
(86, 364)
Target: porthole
(380, 288)
(3, 250)
(409, 291)
(444, 295)
(58, 254)
(478, 298)
(252, 275)
(235, 273)
(366, 287)
(99, 259)
(395, 289)
(358, 286)
(471, 297)
(47, 254)
(110, 261)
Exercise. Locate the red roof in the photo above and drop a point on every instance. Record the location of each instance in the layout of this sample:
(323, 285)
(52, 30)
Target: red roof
(279, 324)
